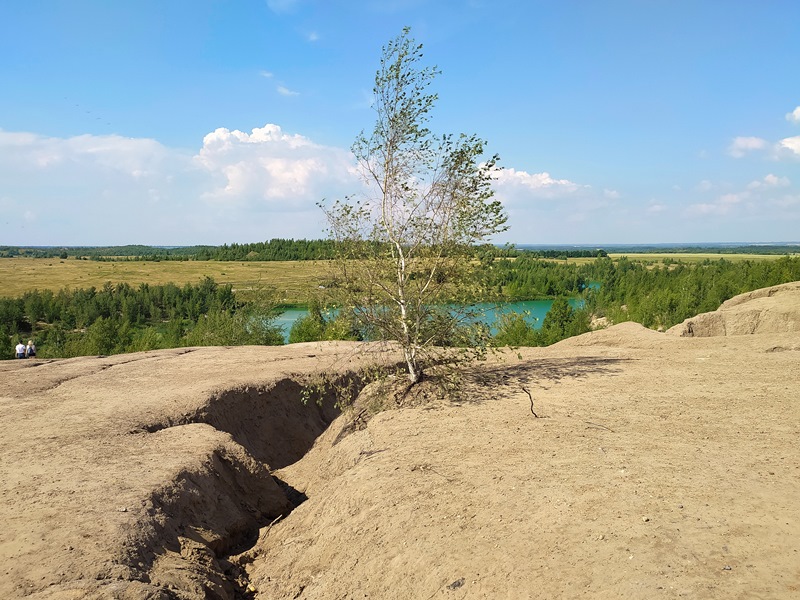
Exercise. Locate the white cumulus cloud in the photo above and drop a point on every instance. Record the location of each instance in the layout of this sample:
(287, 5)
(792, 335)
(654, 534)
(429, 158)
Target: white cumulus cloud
(790, 145)
(511, 182)
(794, 116)
(237, 186)
(273, 169)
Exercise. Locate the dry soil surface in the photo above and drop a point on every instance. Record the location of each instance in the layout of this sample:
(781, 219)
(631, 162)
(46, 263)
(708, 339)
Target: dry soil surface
(655, 466)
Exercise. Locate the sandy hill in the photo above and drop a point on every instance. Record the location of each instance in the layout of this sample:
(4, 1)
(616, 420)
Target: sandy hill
(658, 465)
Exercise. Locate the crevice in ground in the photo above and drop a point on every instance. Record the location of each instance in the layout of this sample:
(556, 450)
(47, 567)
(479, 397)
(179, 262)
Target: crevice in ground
(294, 496)
(270, 422)
(191, 532)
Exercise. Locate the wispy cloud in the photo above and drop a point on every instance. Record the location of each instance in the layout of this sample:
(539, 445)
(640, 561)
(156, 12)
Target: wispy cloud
(723, 205)
(546, 208)
(740, 146)
(279, 87)
(788, 202)
(769, 181)
(770, 197)
(282, 6)
(704, 186)
(786, 148)
(284, 91)
(393, 6)
(312, 36)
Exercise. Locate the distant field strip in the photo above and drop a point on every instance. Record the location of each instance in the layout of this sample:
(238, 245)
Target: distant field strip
(700, 257)
(292, 279)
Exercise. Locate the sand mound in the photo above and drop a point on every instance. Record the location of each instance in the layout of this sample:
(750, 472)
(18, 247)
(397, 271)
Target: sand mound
(769, 310)
(657, 466)
(628, 335)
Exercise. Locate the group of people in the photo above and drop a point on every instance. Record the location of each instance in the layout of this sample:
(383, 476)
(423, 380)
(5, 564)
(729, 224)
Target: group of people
(23, 351)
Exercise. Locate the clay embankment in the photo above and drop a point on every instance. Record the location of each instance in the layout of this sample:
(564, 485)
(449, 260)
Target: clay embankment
(660, 466)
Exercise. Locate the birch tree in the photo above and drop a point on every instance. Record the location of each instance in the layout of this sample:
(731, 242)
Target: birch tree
(404, 247)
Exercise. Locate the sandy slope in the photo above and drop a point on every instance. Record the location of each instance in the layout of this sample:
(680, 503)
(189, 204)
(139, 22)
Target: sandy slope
(146, 467)
(660, 466)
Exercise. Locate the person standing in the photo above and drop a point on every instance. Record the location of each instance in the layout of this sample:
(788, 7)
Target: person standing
(30, 350)
(20, 350)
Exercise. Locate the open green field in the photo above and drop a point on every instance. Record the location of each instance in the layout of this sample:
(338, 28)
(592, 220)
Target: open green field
(292, 279)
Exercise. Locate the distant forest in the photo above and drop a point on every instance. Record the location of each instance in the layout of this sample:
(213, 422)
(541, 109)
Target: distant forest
(271, 250)
(121, 318)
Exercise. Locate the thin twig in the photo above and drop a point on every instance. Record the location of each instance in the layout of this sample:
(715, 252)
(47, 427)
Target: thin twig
(524, 389)
(275, 520)
(425, 468)
(439, 474)
(601, 426)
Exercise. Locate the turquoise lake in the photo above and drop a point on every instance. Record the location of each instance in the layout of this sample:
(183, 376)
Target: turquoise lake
(536, 309)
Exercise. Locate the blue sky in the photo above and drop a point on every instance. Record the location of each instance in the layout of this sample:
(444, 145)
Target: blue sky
(211, 121)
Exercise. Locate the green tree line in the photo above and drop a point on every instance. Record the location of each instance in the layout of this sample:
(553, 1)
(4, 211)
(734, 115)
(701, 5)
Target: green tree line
(121, 318)
(272, 250)
(665, 295)
(655, 295)
(276, 249)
